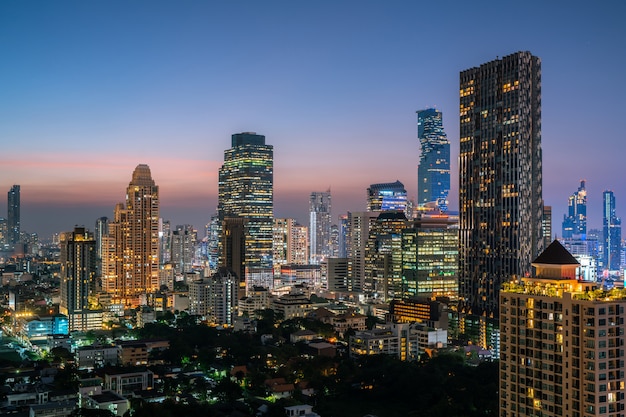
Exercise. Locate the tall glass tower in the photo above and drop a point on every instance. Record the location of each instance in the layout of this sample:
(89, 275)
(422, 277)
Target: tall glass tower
(319, 226)
(612, 228)
(386, 196)
(13, 217)
(500, 178)
(575, 222)
(433, 172)
(246, 202)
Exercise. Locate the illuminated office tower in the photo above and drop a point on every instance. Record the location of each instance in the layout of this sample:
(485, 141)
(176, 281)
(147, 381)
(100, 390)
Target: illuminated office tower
(430, 249)
(433, 172)
(383, 256)
(13, 217)
(575, 222)
(78, 280)
(319, 226)
(500, 179)
(246, 192)
(562, 343)
(386, 196)
(612, 233)
(132, 267)
(183, 247)
(213, 243)
(342, 236)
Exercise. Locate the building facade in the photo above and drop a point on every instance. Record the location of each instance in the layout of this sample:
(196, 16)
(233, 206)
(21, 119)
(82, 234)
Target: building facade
(575, 222)
(245, 191)
(562, 343)
(433, 172)
(78, 280)
(319, 226)
(612, 233)
(132, 261)
(500, 178)
(387, 196)
(13, 215)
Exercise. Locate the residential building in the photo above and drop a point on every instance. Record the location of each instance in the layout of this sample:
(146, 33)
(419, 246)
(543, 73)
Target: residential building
(131, 267)
(433, 172)
(215, 297)
(546, 225)
(338, 271)
(183, 246)
(500, 180)
(78, 280)
(358, 235)
(245, 192)
(562, 343)
(319, 226)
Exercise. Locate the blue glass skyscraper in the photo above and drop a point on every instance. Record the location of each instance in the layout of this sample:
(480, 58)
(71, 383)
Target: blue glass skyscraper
(575, 223)
(433, 172)
(612, 228)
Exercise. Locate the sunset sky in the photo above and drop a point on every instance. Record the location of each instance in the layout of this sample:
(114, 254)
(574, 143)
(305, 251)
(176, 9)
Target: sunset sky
(91, 89)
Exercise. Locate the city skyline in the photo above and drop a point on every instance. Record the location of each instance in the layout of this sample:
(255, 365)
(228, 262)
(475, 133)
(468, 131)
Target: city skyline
(92, 90)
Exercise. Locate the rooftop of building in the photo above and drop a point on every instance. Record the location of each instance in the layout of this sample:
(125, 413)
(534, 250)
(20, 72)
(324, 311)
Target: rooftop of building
(555, 254)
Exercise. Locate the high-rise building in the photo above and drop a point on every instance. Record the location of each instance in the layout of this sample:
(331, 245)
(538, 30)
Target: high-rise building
(612, 233)
(3, 231)
(13, 215)
(500, 178)
(383, 256)
(101, 231)
(290, 243)
(183, 245)
(575, 222)
(215, 297)
(319, 226)
(562, 343)
(78, 280)
(433, 172)
(430, 248)
(359, 224)
(546, 225)
(386, 196)
(131, 267)
(246, 192)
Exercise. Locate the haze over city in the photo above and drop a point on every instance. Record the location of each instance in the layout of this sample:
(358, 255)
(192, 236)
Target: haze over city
(90, 90)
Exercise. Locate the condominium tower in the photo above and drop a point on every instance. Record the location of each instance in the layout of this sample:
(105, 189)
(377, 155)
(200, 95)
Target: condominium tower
(246, 201)
(433, 172)
(562, 343)
(78, 279)
(13, 215)
(319, 226)
(131, 262)
(500, 178)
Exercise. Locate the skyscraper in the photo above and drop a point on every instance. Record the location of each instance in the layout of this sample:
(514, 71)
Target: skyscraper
(131, 269)
(319, 225)
(78, 279)
(612, 233)
(246, 192)
(13, 215)
(500, 178)
(386, 196)
(433, 172)
(575, 222)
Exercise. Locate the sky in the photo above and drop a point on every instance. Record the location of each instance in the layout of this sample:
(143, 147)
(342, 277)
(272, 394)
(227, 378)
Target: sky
(91, 89)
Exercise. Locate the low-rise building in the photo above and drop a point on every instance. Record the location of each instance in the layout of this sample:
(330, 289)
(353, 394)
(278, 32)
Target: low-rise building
(108, 400)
